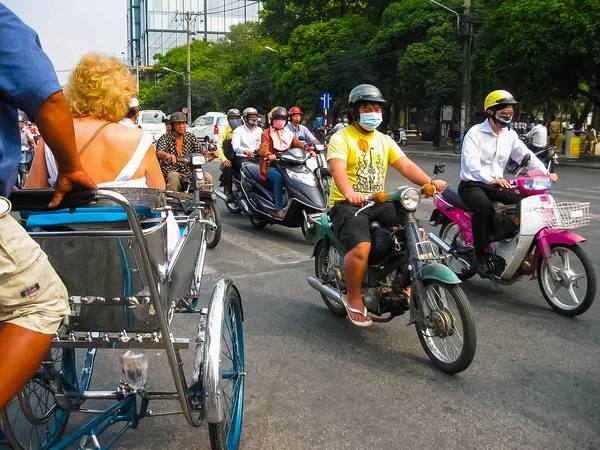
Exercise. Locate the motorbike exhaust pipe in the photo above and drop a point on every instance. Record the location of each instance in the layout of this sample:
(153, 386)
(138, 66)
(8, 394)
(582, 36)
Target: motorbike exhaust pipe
(439, 242)
(327, 291)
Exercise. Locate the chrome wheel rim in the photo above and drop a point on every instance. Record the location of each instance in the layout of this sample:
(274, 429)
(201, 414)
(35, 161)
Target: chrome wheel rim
(444, 334)
(453, 236)
(330, 267)
(564, 279)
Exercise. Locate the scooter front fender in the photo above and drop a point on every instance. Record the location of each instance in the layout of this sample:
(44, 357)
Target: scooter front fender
(546, 238)
(439, 272)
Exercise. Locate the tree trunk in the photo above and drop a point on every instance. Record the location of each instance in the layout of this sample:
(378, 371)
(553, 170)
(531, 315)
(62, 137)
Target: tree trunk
(437, 127)
(583, 116)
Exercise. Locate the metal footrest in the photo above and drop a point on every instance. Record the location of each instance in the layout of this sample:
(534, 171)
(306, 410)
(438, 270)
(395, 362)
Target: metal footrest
(118, 342)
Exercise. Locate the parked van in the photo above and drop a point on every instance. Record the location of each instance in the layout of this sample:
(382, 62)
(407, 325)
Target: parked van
(208, 126)
(151, 121)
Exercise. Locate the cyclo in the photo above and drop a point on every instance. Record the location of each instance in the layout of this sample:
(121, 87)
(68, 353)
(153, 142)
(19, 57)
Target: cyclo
(125, 281)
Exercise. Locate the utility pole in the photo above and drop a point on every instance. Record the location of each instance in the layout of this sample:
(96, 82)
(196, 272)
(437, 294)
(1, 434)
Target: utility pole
(467, 31)
(189, 16)
(137, 74)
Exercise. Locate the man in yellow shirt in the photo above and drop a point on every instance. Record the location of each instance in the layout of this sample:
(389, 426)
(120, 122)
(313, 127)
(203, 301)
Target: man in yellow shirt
(554, 130)
(358, 158)
(235, 120)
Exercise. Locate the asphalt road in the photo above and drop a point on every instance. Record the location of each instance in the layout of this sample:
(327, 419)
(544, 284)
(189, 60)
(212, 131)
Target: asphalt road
(315, 381)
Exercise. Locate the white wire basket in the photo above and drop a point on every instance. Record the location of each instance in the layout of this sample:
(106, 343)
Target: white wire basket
(564, 215)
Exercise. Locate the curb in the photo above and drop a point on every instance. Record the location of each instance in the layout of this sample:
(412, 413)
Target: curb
(580, 165)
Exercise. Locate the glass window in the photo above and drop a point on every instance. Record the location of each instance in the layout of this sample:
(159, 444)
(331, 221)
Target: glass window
(210, 120)
(222, 121)
(152, 117)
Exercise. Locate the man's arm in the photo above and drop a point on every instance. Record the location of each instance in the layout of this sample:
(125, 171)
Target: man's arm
(338, 167)
(311, 139)
(471, 158)
(55, 122)
(236, 142)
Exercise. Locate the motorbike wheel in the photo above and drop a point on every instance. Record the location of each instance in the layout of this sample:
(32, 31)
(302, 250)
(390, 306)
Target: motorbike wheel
(326, 262)
(233, 207)
(456, 147)
(309, 234)
(211, 212)
(452, 235)
(512, 166)
(258, 224)
(576, 275)
(450, 339)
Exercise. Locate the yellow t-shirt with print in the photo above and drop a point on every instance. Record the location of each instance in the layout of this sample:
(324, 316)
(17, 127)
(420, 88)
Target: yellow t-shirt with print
(367, 159)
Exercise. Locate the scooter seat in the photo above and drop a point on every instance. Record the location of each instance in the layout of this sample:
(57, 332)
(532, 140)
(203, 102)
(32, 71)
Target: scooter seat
(450, 194)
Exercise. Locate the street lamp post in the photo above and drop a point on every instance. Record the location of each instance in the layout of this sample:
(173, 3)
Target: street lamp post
(465, 113)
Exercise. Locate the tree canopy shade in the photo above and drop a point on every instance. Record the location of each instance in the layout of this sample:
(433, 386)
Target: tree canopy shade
(541, 49)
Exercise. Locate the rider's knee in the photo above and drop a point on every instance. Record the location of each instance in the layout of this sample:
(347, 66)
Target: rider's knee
(361, 251)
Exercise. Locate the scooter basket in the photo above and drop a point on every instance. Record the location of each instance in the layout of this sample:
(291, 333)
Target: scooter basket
(565, 215)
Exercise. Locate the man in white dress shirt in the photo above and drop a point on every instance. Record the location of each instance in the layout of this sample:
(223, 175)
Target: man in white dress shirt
(538, 135)
(132, 114)
(486, 150)
(246, 139)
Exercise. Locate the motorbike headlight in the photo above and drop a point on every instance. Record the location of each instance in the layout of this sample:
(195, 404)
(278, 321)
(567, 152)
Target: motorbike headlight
(537, 184)
(198, 160)
(410, 198)
(303, 177)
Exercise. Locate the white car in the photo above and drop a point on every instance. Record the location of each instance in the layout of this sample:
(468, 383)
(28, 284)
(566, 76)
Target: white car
(208, 126)
(151, 121)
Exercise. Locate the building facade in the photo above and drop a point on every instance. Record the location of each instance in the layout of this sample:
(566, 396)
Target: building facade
(156, 26)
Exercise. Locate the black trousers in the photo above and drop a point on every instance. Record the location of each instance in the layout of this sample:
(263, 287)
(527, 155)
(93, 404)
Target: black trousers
(479, 197)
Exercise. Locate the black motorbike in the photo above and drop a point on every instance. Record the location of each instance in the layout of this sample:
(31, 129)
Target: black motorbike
(546, 155)
(303, 193)
(195, 191)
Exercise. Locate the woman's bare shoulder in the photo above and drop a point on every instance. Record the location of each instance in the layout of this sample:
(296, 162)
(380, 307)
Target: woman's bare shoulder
(119, 136)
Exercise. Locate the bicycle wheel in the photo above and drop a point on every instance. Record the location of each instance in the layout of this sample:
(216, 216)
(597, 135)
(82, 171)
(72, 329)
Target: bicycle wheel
(33, 420)
(225, 433)
(449, 339)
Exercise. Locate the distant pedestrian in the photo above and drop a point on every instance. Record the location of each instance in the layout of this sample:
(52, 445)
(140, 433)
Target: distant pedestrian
(554, 130)
(592, 138)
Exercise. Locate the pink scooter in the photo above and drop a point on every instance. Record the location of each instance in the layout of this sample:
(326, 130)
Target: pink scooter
(535, 242)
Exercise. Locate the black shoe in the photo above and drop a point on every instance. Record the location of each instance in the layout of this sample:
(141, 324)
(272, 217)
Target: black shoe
(483, 268)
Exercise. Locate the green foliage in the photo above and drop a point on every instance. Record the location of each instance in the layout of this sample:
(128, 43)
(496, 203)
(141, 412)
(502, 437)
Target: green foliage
(324, 56)
(540, 49)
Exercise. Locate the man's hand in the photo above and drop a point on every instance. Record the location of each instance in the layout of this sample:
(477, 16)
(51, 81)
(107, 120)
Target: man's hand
(171, 158)
(554, 177)
(440, 185)
(249, 153)
(67, 182)
(355, 198)
(313, 154)
(227, 163)
(501, 182)
(272, 157)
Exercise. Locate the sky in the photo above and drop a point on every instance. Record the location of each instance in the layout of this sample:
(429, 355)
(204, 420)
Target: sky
(68, 29)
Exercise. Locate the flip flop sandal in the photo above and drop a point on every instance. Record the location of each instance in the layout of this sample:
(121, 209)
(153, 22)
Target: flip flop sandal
(368, 323)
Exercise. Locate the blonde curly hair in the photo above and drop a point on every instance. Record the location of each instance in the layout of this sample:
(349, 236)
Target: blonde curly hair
(100, 87)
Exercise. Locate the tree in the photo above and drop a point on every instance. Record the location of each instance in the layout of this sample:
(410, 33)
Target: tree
(323, 56)
(541, 50)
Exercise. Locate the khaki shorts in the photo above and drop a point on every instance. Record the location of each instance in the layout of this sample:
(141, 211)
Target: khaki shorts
(31, 293)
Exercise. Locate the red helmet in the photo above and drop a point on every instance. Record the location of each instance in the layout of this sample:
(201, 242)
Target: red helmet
(295, 110)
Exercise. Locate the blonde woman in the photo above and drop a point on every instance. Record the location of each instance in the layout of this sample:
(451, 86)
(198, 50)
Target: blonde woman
(99, 92)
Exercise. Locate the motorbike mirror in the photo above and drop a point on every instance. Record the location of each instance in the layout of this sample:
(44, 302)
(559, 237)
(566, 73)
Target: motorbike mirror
(302, 139)
(525, 161)
(439, 168)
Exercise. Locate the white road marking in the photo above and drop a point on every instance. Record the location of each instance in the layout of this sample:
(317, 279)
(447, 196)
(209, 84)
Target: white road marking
(263, 248)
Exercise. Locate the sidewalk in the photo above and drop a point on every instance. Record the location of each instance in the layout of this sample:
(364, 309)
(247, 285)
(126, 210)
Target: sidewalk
(425, 148)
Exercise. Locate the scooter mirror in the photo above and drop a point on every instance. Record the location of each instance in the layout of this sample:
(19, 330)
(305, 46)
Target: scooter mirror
(439, 168)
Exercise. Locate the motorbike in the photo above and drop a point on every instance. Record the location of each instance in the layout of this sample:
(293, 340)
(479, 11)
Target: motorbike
(319, 167)
(197, 190)
(547, 155)
(24, 165)
(404, 274)
(402, 140)
(531, 239)
(302, 193)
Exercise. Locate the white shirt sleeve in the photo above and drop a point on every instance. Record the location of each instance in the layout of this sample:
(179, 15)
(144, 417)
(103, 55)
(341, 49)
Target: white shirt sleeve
(471, 159)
